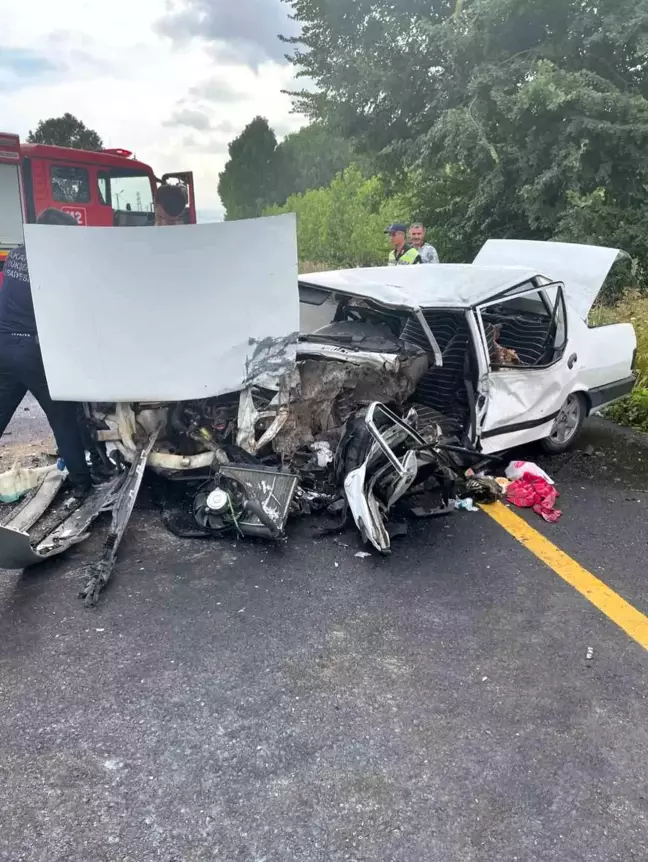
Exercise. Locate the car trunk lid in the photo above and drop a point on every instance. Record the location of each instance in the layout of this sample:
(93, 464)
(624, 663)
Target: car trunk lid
(582, 268)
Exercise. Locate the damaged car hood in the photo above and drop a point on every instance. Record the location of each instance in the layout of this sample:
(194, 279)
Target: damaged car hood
(582, 268)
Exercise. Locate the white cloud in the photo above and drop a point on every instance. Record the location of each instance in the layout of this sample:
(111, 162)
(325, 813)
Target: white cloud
(189, 117)
(248, 29)
(171, 102)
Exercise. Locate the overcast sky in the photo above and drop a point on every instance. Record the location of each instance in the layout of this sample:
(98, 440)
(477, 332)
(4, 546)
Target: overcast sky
(172, 80)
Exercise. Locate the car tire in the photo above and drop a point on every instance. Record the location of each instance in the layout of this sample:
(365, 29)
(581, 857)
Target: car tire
(567, 427)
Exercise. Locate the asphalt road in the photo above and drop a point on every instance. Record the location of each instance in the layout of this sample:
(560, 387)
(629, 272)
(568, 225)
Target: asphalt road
(241, 702)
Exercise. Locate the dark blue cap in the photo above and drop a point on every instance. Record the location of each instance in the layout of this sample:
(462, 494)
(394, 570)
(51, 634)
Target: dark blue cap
(397, 226)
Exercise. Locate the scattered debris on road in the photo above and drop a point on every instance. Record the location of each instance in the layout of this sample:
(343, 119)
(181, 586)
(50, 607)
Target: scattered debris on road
(532, 488)
(18, 481)
(466, 505)
(520, 469)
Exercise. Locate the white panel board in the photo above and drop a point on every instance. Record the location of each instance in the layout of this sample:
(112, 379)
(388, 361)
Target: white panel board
(164, 313)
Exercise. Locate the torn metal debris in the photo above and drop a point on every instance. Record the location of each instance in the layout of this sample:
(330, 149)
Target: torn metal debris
(20, 549)
(122, 508)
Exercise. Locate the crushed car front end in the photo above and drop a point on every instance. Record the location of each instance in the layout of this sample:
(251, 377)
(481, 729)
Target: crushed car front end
(334, 426)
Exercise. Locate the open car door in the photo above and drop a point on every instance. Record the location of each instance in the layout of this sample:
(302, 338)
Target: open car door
(530, 368)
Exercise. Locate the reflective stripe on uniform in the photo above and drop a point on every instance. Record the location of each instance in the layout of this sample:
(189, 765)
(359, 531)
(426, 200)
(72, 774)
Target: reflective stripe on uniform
(407, 258)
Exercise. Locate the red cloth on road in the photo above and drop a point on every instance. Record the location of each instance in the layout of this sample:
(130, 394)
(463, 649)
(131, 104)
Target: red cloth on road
(534, 492)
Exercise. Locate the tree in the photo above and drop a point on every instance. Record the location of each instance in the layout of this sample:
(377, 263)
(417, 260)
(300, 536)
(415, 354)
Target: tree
(65, 131)
(249, 179)
(306, 159)
(514, 113)
(343, 225)
(310, 159)
(388, 69)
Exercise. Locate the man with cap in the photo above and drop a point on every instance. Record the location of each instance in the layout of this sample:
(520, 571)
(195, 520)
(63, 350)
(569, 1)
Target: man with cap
(402, 253)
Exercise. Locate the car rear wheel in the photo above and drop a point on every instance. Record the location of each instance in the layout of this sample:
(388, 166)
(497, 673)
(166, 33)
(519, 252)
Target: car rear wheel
(568, 424)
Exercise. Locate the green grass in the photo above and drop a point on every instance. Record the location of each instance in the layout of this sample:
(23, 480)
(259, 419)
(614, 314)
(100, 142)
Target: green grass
(633, 410)
(306, 266)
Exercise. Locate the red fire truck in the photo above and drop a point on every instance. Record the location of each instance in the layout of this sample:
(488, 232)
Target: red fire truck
(108, 187)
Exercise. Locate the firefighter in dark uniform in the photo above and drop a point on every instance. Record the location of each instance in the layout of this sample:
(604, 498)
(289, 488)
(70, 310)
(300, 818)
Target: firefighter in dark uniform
(21, 363)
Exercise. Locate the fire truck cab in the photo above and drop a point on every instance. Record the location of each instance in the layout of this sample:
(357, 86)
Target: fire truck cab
(104, 188)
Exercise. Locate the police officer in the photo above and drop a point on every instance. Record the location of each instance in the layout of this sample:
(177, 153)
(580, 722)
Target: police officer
(402, 253)
(21, 363)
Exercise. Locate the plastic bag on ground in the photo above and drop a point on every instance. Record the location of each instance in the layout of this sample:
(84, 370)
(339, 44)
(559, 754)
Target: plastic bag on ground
(518, 469)
(467, 505)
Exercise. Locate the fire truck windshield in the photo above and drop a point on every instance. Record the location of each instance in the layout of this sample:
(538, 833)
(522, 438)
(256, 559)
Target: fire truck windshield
(126, 190)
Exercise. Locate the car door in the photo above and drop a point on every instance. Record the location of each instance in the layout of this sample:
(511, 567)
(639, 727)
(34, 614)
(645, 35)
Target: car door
(529, 367)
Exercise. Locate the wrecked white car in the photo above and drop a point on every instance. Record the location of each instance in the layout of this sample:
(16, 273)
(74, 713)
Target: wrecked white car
(401, 379)
(512, 358)
(405, 374)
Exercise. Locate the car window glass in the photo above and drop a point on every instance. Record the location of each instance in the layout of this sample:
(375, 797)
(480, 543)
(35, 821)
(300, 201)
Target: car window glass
(131, 192)
(313, 295)
(556, 299)
(521, 288)
(70, 184)
(313, 315)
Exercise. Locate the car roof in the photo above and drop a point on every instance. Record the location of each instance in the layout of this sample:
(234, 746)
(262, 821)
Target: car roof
(446, 285)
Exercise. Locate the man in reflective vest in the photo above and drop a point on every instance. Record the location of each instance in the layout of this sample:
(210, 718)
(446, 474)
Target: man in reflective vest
(401, 253)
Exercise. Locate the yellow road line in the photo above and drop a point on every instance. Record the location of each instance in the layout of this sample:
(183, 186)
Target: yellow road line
(628, 618)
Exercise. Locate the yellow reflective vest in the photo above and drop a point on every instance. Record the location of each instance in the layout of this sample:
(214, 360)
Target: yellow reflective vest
(407, 256)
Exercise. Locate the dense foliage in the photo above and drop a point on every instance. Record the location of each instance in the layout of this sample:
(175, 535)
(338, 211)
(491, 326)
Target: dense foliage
(260, 172)
(632, 411)
(523, 118)
(65, 131)
(309, 159)
(344, 224)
